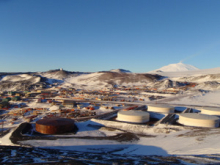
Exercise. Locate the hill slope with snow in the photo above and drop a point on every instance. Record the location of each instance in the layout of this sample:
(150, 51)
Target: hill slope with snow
(120, 71)
(110, 79)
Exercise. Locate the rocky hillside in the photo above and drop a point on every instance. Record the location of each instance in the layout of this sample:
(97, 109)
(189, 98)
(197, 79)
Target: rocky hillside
(105, 79)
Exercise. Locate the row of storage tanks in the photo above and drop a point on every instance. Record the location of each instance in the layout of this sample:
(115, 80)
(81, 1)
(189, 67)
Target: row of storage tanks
(208, 117)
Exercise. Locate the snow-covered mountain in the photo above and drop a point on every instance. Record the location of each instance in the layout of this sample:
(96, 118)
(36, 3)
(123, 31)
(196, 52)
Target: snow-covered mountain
(178, 67)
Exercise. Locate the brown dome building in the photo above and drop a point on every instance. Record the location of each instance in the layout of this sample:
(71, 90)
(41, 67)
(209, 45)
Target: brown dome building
(55, 126)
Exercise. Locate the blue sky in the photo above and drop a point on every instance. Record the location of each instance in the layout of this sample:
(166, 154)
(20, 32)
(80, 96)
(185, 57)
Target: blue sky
(96, 35)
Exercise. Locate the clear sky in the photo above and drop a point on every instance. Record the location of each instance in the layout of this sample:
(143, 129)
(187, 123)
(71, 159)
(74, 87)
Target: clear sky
(97, 35)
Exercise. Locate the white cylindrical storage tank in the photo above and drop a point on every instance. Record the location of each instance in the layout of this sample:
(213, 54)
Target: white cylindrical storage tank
(133, 116)
(210, 111)
(198, 120)
(165, 109)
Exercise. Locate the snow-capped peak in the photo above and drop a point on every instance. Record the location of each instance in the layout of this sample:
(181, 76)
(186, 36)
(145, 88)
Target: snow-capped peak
(178, 67)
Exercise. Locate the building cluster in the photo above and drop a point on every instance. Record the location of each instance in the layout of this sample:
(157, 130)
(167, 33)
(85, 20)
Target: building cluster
(77, 104)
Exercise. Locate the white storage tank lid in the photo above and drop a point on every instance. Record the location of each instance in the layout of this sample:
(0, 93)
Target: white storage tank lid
(210, 111)
(133, 116)
(198, 120)
(160, 108)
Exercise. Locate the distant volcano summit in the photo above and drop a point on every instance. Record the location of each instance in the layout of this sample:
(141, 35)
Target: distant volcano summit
(178, 67)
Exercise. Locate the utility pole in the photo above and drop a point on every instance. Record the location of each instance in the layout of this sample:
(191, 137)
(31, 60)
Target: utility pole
(2, 127)
(2, 124)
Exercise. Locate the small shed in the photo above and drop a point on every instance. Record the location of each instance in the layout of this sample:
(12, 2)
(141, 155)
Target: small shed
(69, 103)
(16, 98)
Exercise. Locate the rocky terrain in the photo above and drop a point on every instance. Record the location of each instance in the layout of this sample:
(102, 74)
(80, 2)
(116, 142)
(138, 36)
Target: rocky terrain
(27, 155)
(109, 79)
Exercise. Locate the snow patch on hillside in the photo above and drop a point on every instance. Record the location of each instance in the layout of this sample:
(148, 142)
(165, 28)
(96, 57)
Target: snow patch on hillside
(85, 81)
(20, 77)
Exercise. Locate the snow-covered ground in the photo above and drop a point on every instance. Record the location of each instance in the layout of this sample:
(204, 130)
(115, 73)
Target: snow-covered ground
(201, 99)
(168, 140)
(164, 140)
(152, 140)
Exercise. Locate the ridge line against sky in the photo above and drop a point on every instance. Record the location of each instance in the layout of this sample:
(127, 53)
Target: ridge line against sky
(95, 35)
